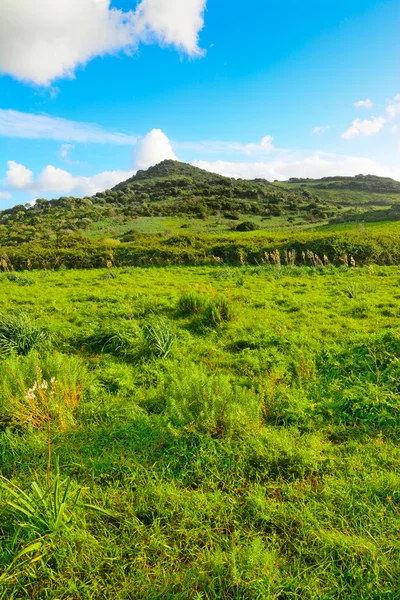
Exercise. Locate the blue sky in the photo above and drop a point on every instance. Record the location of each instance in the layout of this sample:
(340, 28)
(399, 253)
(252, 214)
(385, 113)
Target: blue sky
(92, 90)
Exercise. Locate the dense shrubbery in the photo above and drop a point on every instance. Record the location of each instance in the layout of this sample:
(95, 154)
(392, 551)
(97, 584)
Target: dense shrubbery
(380, 248)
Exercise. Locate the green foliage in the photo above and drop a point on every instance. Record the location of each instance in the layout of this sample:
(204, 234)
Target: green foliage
(209, 402)
(19, 335)
(158, 338)
(245, 226)
(41, 511)
(218, 311)
(191, 303)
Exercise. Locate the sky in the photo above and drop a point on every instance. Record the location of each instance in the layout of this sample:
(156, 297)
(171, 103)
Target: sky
(93, 90)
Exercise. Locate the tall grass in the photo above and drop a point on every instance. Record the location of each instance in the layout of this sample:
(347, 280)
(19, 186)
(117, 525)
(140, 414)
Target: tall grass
(19, 335)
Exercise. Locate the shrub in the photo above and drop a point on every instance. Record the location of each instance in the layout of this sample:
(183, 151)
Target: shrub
(20, 379)
(245, 226)
(18, 335)
(209, 403)
(218, 311)
(191, 303)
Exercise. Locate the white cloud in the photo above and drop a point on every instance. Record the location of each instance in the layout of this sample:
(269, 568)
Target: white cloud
(320, 129)
(393, 107)
(43, 40)
(17, 124)
(18, 176)
(53, 180)
(364, 127)
(175, 22)
(152, 149)
(65, 149)
(367, 103)
(5, 196)
(265, 146)
(314, 166)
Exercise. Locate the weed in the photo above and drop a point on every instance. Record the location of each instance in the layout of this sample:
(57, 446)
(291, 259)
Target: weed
(158, 339)
(218, 311)
(350, 291)
(191, 303)
(209, 402)
(19, 335)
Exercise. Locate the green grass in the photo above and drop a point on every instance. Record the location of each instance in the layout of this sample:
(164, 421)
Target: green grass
(237, 427)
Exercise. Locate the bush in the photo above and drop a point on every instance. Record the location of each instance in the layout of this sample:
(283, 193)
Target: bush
(18, 335)
(209, 403)
(218, 311)
(191, 303)
(245, 226)
(20, 397)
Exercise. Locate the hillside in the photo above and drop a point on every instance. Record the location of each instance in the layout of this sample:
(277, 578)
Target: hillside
(174, 195)
(169, 189)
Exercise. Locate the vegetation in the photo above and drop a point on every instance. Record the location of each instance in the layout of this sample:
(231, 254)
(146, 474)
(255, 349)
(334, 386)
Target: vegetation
(202, 432)
(199, 391)
(201, 202)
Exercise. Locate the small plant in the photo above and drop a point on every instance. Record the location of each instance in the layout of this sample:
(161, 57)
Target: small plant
(158, 339)
(191, 303)
(108, 341)
(44, 511)
(218, 311)
(350, 291)
(209, 403)
(18, 335)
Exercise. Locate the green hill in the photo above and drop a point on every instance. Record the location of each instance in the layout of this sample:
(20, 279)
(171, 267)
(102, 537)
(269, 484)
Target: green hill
(170, 189)
(174, 195)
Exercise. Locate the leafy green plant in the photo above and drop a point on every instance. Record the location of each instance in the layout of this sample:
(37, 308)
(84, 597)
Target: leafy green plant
(44, 511)
(350, 291)
(19, 335)
(109, 341)
(158, 338)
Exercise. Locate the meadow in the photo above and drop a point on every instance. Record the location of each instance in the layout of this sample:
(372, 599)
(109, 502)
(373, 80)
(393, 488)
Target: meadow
(207, 432)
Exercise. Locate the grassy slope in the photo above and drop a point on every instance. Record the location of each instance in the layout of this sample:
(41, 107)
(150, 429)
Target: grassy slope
(171, 195)
(302, 503)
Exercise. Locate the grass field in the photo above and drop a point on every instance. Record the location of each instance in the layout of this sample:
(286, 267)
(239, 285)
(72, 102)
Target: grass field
(225, 433)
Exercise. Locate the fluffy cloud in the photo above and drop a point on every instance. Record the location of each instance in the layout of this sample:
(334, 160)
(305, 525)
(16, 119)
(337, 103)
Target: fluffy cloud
(367, 103)
(364, 127)
(18, 176)
(53, 180)
(311, 166)
(152, 149)
(320, 129)
(174, 22)
(17, 124)
(43, 40)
